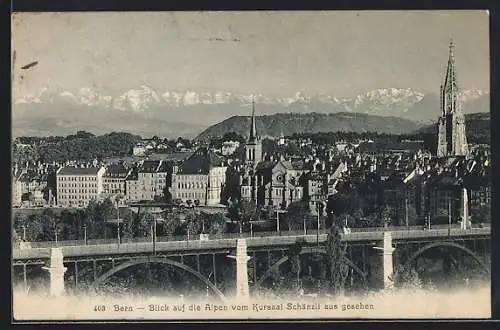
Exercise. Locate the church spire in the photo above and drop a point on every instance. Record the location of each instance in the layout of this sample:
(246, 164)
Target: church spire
(452, 139)
(450, 81)
(253, 130)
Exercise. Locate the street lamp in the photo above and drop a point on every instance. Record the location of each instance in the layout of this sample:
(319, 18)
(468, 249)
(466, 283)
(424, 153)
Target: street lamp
(406, 212)
(449, 218)
(118, 221)
(85, 234)
(317, 233)
(154, 235)
(118, 231)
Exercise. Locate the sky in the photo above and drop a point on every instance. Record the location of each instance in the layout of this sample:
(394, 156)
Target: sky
(275, 53)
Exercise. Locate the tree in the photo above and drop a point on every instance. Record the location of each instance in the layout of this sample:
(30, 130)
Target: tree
(248, 211)
(357, 218)
(297, 213)
(335, 252)
(412, 216)
(144, 221)
(172, 223)
(129, 225)
(295, 264)
(167, 195)
(386, 216)
(370, 221)
(70, 225)
(137, 224)
(196, 222)
(51, 227)
(481, 213)
(217, 224)
(34, 229)
(406, 278)
(96, 215)
(233, 136)
(233, 211)
(19, 221)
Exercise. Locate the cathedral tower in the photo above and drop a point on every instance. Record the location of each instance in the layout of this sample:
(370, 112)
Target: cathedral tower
(452, 139)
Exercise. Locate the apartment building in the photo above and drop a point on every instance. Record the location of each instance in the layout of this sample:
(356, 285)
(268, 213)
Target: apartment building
(77, 186)
(114, 180)
(147, 181)
(200, 179)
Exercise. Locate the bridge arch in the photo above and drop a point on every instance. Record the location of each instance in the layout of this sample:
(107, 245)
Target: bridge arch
(125, 265)
(284, 259)
(469, 252)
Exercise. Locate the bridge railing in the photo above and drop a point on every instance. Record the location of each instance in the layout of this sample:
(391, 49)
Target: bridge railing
(398, 232)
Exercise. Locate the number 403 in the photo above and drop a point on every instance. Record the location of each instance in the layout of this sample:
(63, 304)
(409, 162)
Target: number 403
(99, 308)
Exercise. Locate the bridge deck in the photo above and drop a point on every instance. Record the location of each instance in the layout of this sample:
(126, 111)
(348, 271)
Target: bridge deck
(284, 239)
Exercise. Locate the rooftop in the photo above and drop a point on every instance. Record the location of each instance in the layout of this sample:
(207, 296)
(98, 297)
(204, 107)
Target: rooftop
(70, 170)
(116, 171)
(201, 162)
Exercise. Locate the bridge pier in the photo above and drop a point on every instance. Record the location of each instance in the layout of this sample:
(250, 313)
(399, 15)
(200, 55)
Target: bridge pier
(254, 274)
(241, 269)
(56, 271)
(25, 280)
(385, 268)
(76, 273)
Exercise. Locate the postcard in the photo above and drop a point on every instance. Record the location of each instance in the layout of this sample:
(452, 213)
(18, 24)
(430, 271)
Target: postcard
(194, 166)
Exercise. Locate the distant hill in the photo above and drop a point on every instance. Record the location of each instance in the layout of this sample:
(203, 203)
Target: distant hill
(289, 123)
(427, 109)
(477, 125)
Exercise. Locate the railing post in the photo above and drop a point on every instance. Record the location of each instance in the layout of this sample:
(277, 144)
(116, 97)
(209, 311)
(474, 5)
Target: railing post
(25, 277)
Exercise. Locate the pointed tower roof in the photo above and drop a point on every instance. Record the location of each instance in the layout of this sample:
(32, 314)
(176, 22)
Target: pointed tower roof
(450, 80)
(253, 131)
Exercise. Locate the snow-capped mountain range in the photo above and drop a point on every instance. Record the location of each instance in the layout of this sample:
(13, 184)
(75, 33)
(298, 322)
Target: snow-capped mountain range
(146, 97)
(192, 110)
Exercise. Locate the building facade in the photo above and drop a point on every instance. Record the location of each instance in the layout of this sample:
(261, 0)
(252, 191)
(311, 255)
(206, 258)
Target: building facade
(200, 179)
(114, 180)
(77, 186)
(147, 181)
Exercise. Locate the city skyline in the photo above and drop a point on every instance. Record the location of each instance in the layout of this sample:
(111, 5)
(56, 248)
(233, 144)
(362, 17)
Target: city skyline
(343, 53)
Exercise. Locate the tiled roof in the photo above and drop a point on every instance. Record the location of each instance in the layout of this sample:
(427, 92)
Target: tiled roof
(299, 165)
(133, 175)
(287, 164)
(164, 166)
(201, 162)
(149, 166)
(445, 180)
(265, 165)
(116, 171)
(68, 170)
